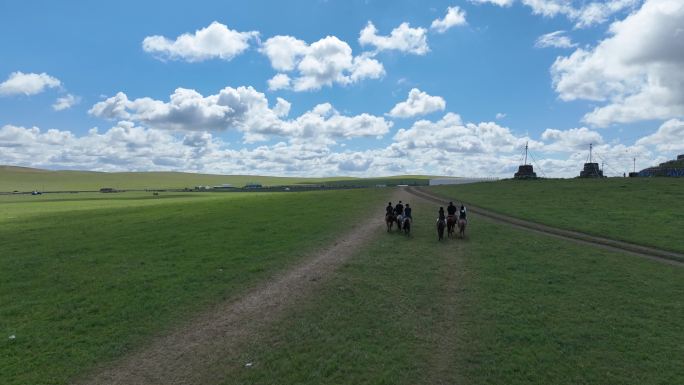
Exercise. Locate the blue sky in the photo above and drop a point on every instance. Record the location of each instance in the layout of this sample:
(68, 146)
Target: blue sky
(484, 83)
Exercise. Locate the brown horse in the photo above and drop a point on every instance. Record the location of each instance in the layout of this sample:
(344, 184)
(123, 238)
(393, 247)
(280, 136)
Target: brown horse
(451, 225)
(441, 224)
(389, 220)
(462, 227)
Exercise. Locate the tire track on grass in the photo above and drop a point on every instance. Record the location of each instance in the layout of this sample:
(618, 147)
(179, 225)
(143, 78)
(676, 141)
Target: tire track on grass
(200, 351)
(663, 256)
(447, 345)
(444, 334)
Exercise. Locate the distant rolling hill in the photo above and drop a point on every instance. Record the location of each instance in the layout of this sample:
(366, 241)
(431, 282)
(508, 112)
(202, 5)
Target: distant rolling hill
(14, 178)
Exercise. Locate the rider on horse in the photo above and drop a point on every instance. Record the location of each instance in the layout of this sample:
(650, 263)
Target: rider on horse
(451, 209)
(441, 215)
(407, 212)
(462, 214)
(399, 209)
(389, 210)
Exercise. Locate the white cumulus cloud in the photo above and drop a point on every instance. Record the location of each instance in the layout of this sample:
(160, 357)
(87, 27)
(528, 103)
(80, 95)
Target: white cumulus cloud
(448, 146)
(636, 71)
(418, 103)
(453, 135)
(216, 41)
(279, 82)
(582, 13)
(130, 147)
(242, 109)
(27, 83)
(325, 62)
(284, 52)
(112, 108)
(403, 38)
(599, 12)
(454, 16)
(669, 137)
(570, 140)
(65, 102)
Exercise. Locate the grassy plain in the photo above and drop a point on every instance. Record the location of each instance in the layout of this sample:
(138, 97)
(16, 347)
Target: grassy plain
(88, 277)
(502, 307)
(645, 211)
(28, 179)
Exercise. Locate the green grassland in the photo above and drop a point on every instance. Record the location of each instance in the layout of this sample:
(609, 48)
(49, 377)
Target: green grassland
(22, 206)
(87, 278)
(29, 179)
(545, 311)
(646, 211)
(501, 307)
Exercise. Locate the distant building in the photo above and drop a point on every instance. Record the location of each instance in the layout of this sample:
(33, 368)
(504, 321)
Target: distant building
(672, 168)
(442, 181)
(253, 185)
(107, 190)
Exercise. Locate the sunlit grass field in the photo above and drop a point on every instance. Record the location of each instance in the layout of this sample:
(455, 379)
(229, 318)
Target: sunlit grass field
(502, 307)
(87, 278)
(648, 211)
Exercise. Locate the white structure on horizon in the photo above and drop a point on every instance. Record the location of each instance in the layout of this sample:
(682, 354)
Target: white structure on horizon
(442, 181)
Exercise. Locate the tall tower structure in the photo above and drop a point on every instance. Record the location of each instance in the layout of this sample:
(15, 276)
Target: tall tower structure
(591, 168)
(525, 171)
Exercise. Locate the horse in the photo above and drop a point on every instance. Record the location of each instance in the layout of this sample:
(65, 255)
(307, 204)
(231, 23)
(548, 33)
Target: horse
(407, 226)
(389, 220)
(462, 227)
(441, 224)
(451, 225)
(399, 219)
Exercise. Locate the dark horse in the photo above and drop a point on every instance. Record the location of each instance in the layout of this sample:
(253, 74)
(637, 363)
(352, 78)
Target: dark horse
(406, 226)
(451, 225)
(462, 227)
(389, 220)
(441, 224)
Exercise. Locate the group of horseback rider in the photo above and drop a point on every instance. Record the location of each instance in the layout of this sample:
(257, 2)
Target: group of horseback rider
(450, 222)
(399, 210)
(451, 210)
(402, 215)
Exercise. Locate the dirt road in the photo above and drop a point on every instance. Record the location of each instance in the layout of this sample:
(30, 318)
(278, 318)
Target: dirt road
(200, 352)
(655, 254)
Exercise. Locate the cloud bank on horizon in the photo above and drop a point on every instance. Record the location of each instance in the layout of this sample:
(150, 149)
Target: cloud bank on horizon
(370, 101)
